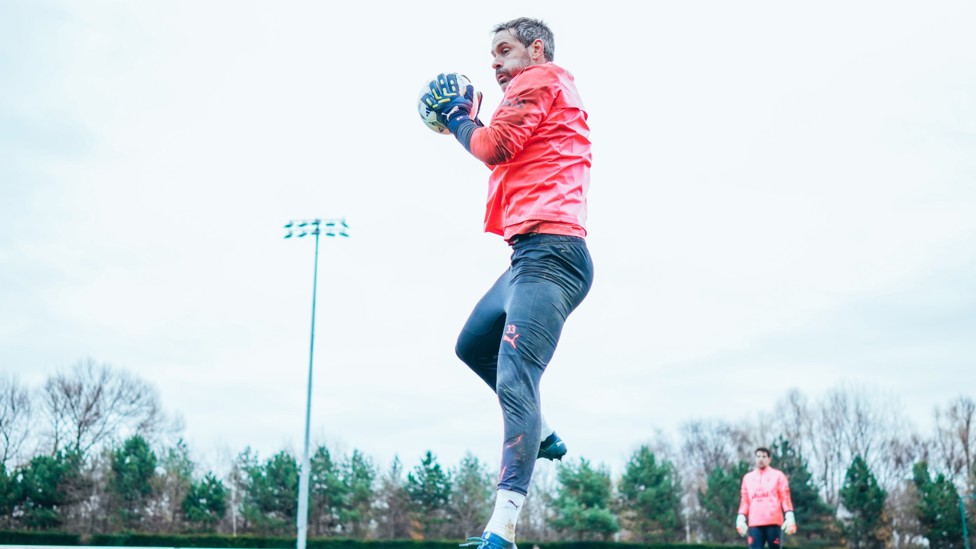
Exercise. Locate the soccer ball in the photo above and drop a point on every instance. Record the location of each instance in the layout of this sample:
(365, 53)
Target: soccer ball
(430, 117)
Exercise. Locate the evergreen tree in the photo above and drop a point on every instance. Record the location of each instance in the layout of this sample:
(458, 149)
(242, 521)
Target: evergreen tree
(472, 498)
(938, 508)
(133, 467)
(582, 502)
(816, 518)
(650, 500)
(862, 497)
(7, 497)
(327, 494)
(358, 473)
(41, 489)
(720, 503)
(429, 489)
(205, 504)
(270, 499)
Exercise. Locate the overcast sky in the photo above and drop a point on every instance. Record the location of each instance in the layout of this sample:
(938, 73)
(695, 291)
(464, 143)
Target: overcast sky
(783, 196)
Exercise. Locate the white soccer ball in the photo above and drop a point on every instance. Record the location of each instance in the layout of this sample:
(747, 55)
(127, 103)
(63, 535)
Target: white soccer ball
(430, 117)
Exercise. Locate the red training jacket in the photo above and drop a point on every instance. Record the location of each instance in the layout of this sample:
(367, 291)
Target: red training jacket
(538, 149)
(765, 497)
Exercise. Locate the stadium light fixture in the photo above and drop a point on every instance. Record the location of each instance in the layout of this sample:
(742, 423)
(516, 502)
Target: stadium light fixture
(336, 227)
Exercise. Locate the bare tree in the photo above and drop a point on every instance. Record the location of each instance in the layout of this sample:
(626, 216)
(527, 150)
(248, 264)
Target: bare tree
(472, 495)
(792, 419)
(393, 505)
(92, 403)
(170, 486)
(897, 454)
(902, 506)
(15, 410)
(796, 420)
(850, 421)
(869, 425)
(709, 445)
(954, 442)
(828, 459)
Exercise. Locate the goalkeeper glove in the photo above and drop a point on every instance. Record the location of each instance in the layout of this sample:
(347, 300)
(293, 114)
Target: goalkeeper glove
(789, 525)
(453, 100)
(740, 525)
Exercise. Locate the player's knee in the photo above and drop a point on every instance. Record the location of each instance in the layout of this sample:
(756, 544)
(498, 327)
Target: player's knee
(476, 360)
(465, 350)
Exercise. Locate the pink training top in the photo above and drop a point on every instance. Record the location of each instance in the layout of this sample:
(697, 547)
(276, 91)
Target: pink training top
(765, 497)
(538, 149)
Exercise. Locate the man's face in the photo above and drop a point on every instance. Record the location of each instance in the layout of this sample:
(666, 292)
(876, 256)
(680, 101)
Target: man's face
(509, 57)
(762, 460)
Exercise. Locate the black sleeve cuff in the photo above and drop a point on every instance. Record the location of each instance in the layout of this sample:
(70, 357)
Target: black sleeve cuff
(463, 128)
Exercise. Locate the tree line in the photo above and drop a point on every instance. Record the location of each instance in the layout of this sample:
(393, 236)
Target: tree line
(90, 452)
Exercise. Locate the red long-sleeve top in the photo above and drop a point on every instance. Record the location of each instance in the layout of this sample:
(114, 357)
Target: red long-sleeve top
(765, 497)
(538, 149)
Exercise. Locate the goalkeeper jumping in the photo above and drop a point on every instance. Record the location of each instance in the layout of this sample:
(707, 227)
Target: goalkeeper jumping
(538, 150)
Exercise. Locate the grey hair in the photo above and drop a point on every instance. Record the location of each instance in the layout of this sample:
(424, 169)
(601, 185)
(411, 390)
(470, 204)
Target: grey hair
(528, 30)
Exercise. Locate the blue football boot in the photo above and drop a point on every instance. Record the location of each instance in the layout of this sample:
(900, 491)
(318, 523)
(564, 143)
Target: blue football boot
(552, 448)
(489, 540)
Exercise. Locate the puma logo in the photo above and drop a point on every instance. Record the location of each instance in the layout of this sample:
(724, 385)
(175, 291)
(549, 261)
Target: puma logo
(510, 335)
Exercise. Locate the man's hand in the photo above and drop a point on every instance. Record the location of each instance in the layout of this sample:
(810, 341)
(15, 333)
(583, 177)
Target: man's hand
(452, 97)
(740, 525)
(789, 525)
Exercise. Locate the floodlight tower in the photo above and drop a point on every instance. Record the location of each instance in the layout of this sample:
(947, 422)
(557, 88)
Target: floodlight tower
(335, 227)
(962, 513)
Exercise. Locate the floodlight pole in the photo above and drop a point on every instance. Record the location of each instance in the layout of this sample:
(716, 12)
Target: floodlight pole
(301, 228)
(962, 514)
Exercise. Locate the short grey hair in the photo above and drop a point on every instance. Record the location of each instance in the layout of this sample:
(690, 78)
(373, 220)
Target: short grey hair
(528, 30)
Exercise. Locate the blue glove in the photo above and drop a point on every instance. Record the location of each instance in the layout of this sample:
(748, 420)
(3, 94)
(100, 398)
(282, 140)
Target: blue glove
(453, 99)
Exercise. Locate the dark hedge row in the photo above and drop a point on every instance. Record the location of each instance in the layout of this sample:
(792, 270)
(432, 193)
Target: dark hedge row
(38, 538)
(213, 540)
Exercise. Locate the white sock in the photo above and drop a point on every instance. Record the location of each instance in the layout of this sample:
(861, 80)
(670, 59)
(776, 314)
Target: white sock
(546, 429)
(505, 517)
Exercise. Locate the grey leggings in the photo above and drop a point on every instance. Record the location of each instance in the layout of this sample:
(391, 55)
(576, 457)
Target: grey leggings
(512, 333)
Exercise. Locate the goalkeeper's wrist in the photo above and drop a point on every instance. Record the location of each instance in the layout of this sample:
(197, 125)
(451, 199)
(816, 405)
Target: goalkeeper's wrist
(462, 128)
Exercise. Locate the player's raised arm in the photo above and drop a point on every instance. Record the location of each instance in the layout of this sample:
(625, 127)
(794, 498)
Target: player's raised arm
(452, 100)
